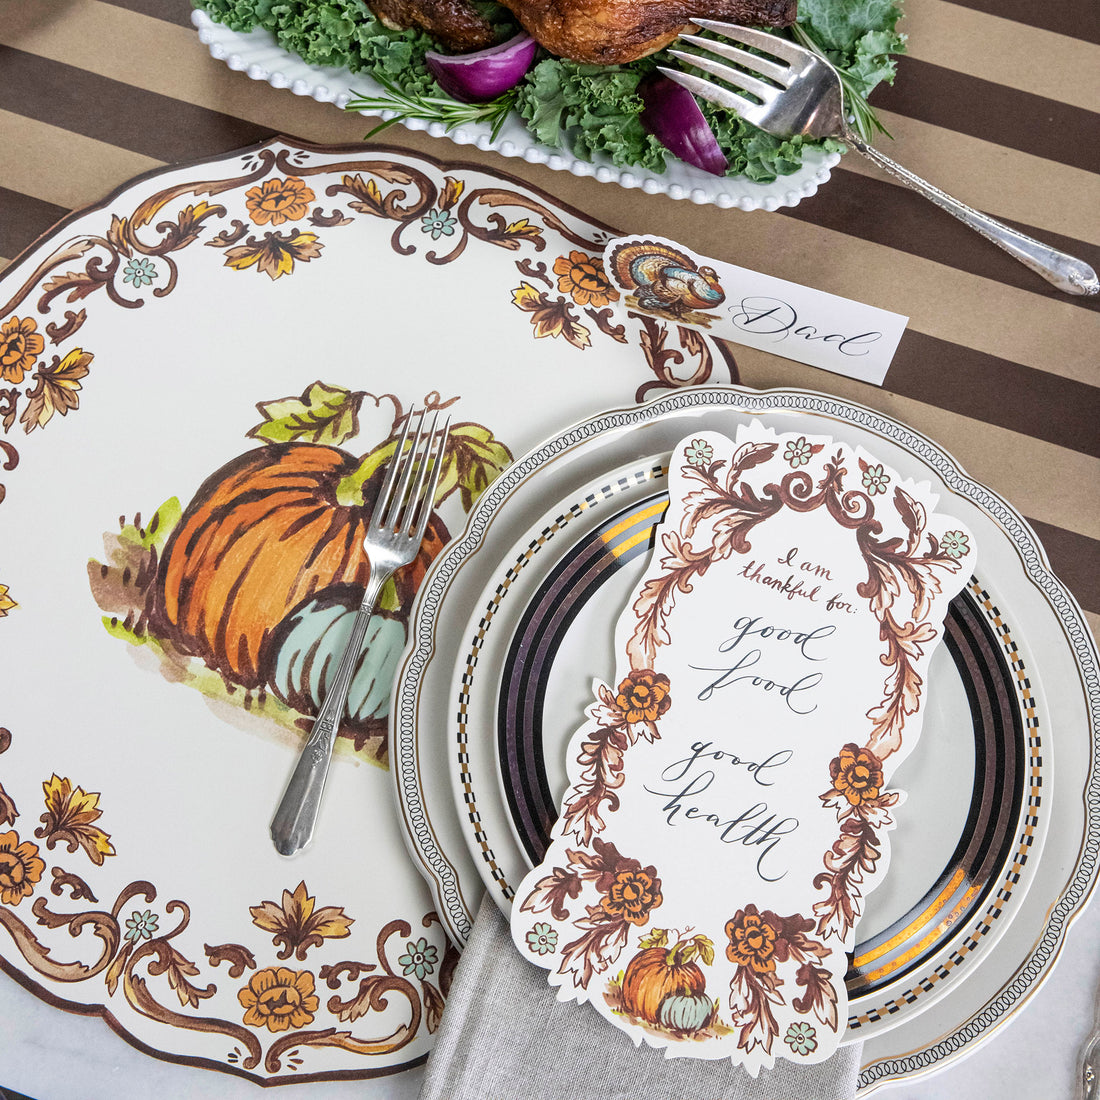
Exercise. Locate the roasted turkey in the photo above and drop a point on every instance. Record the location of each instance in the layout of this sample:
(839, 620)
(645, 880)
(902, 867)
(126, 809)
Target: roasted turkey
(612, 32)
(600, 32)
(455, 24)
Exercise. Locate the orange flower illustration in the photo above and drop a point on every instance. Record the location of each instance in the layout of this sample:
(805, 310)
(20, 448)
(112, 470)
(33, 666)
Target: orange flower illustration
(279, 201)
(632, 895)
(279, 999)
(752, 940)
(643, 696)
(20, 345)
(582, 277)
(856, 774)
(20, 868)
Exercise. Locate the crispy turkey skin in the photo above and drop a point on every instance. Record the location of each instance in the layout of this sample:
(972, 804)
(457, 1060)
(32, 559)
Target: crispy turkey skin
(455, 24)
(599, 32)
(613, 32)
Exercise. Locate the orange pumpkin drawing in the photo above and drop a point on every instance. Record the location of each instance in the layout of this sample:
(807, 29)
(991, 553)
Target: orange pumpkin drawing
(262, 534)
(657, 973)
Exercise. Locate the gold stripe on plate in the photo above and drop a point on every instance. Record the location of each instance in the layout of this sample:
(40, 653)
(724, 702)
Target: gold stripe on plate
(637, 517)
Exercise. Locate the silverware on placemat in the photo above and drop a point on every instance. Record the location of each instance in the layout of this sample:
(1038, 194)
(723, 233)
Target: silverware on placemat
(791, 90)
(394, 535)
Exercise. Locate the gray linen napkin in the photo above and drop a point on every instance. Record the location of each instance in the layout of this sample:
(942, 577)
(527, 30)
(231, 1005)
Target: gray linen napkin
(506, 1036)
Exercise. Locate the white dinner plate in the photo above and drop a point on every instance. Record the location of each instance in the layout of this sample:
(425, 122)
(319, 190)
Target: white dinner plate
(911, 1014)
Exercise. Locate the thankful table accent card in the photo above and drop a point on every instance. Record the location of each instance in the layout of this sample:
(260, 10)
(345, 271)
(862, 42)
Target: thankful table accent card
(728, 800)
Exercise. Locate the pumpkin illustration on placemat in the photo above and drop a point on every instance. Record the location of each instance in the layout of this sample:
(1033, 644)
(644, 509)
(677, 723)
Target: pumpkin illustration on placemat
(249, 592)
(664, 985)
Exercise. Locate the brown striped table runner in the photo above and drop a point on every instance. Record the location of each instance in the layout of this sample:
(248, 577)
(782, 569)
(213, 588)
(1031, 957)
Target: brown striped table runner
(998, 102)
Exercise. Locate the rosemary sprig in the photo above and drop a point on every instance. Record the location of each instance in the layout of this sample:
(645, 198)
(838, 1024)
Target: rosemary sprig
(450, 112)
(864, 120)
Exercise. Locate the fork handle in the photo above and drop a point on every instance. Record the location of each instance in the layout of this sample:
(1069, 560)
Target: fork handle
(292, 825)
(1067, 273)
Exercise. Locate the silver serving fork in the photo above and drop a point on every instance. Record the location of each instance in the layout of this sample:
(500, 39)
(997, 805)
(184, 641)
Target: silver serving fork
(394, 535)
(799, 92)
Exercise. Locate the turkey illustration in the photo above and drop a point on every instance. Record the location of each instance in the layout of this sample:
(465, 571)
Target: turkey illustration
(664, 279)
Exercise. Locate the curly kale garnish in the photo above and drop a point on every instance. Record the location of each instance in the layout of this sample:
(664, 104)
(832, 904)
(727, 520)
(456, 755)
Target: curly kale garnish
(588, 110)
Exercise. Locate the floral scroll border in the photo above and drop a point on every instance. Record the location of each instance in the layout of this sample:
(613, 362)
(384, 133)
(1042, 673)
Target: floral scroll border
(127, 259)
(279, 1000)
(72, 820)
(891, 568)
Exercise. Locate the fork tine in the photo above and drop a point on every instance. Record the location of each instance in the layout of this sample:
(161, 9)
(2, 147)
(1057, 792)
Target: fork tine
(428, 501)
(407, 463)
(413, 503)
(773, 70)
(383, 501)
(759, 40)
(739, 79)
(704, 89)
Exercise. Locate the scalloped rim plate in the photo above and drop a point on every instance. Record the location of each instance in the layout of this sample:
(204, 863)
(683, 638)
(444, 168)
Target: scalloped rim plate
(1056, 655)
(151, 895)
(259, 56)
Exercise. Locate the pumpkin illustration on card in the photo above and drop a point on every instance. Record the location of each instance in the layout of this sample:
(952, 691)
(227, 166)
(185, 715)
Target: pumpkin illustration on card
(729, 800)
(248, 591)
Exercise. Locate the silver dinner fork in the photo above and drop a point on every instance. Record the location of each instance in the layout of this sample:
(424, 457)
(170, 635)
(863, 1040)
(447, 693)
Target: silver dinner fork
(796, 91)
(394, 535)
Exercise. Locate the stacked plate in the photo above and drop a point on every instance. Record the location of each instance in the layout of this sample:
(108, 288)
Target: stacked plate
(506, 626)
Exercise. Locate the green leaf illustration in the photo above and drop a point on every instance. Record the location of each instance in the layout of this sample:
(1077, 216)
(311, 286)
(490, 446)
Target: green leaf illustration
(474, 458)
(706, 950)
(323, 414)
(156, 531)
(657, 937)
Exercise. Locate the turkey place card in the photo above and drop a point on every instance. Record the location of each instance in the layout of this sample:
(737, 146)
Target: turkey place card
(729, 795)
(661, 278)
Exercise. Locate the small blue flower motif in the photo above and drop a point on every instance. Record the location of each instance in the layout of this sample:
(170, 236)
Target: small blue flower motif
(140, 926)
(419, 958)
(955, 544)
(800, 1038)
(439, 223)
(875, 479)
(542, 939)
(698, 452)
(798, 452)
(140, 272)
